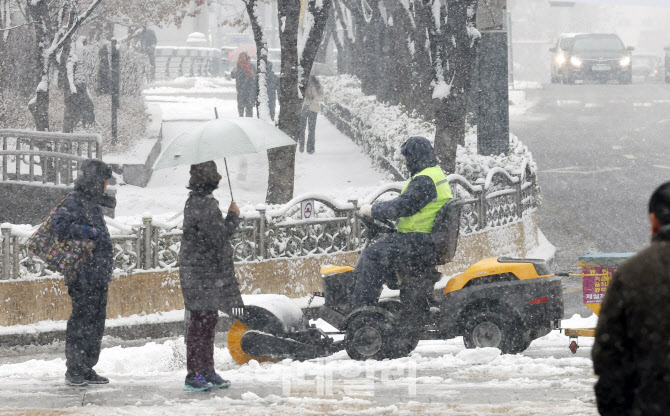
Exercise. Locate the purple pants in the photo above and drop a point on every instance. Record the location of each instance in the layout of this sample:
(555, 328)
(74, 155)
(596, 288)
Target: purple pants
(200, 342)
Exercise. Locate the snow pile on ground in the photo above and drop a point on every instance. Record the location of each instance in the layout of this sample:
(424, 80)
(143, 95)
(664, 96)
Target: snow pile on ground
(381, 129)
(439, 377)
(518, 102)
(528, 85)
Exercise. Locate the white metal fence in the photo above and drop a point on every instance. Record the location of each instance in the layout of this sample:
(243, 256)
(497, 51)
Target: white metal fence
(279, 232)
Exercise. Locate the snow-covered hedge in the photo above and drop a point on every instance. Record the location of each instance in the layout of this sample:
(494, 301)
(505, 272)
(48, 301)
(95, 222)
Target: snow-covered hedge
(134, 68)
(380, 129)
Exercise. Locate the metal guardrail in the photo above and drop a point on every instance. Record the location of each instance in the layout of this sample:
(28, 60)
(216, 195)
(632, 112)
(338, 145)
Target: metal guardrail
(37, 156)
(268, 233)
(177, 61)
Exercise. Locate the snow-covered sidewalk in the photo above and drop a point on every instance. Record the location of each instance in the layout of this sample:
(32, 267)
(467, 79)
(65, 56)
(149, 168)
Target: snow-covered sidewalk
(338, 168)
(440, 377)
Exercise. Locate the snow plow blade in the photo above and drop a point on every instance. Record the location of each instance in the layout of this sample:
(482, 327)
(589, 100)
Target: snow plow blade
(235, 334)
(274, 315)
(257, 343)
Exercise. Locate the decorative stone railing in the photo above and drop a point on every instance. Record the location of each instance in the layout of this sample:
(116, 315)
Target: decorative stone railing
(268, 233)
(47, 157)
(177, 61)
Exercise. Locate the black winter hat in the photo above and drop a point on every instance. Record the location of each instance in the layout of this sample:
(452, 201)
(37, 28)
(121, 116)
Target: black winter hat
(203, 174)
(419, 153)
(92, 176)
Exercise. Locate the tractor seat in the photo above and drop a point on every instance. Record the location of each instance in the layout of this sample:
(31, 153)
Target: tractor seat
(446, 230)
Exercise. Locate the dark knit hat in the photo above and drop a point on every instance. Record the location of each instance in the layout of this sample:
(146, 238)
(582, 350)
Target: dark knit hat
(92, 176)
(204, 173)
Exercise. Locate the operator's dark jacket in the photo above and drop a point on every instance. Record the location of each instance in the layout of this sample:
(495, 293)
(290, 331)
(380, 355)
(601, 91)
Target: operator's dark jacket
(631, 353)
(206, 257)
(70, 222)
(408, 252)
(421, 190)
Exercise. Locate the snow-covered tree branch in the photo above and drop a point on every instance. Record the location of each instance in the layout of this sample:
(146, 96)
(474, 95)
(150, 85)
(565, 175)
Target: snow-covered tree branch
(51, 38)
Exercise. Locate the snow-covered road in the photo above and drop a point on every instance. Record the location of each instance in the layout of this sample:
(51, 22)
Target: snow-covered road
(440, 377)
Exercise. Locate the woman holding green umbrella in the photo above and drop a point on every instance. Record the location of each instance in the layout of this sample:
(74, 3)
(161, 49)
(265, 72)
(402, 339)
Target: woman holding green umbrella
(207, 274)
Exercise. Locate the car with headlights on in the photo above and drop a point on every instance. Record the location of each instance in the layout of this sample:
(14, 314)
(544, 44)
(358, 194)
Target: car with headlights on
(647, 68)
(558, 56)
(598, 57)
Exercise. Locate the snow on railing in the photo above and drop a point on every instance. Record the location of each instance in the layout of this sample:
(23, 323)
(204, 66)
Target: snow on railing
(46, 157)
(276, 232)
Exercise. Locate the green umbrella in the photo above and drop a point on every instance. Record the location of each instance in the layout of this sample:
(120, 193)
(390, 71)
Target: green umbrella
(222, 138)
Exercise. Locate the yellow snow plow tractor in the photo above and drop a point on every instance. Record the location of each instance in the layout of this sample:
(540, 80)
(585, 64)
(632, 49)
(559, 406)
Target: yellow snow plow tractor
(504, 303)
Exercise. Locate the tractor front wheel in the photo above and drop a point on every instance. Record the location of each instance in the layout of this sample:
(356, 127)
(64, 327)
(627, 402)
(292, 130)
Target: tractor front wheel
(368, 336)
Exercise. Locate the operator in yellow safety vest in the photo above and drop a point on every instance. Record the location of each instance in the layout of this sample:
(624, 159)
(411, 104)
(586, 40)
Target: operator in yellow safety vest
(412, 247)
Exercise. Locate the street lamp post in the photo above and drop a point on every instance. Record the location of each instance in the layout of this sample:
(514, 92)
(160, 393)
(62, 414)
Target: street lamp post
(492, 79)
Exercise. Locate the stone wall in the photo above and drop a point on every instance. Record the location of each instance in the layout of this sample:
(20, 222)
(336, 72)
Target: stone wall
(28, 203)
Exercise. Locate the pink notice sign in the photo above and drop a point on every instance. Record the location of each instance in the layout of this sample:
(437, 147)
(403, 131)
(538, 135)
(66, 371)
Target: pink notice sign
(594, 284)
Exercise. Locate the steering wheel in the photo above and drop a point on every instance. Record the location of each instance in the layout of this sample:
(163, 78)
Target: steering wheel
(376, 226)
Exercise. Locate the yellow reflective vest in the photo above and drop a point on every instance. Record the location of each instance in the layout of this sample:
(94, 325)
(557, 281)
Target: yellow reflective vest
(422, 221)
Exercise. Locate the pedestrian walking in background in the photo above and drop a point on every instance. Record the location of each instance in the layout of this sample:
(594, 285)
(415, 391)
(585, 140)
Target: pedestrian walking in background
(80, 217)
(245, 84)
(145, 42)
(310, 109)
(631, 353)
(207, 274)
(272, 81)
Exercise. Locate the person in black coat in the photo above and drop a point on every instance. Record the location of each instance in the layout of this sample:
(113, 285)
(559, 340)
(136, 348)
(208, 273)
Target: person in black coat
(245, 84)
(80, 217)
(207, 273)
(631, 353)
(405, 252)
(273, 87)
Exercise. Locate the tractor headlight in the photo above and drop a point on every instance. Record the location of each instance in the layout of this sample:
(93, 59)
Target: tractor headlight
(576, 62)
(625, 61)
(560, 60)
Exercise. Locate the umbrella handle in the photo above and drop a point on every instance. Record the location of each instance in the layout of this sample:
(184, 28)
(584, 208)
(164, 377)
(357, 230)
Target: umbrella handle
(225, 162)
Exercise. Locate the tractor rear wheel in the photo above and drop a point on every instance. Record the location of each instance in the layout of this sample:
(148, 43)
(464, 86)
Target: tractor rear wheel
(490, 328)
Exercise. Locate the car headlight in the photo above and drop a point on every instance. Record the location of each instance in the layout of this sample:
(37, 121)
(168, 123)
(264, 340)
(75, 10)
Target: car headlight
(560, 60)
(625, 61)
(576, 61)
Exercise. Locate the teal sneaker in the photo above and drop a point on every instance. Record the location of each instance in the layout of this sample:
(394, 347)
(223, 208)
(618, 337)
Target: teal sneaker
(197, 382)
(217, 381)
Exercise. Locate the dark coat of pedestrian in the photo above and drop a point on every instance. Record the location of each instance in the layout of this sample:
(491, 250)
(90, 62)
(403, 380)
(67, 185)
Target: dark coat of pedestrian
(310, 110)
(273, 89)
(207, 273)
(631, 354)
(80, 217)
(245, 84)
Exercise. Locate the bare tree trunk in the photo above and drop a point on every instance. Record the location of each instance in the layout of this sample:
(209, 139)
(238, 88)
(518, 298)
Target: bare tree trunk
(454, 69)
(282, 160)
(262, 101)
(294, 77)
(78, 104)
(39, 104)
